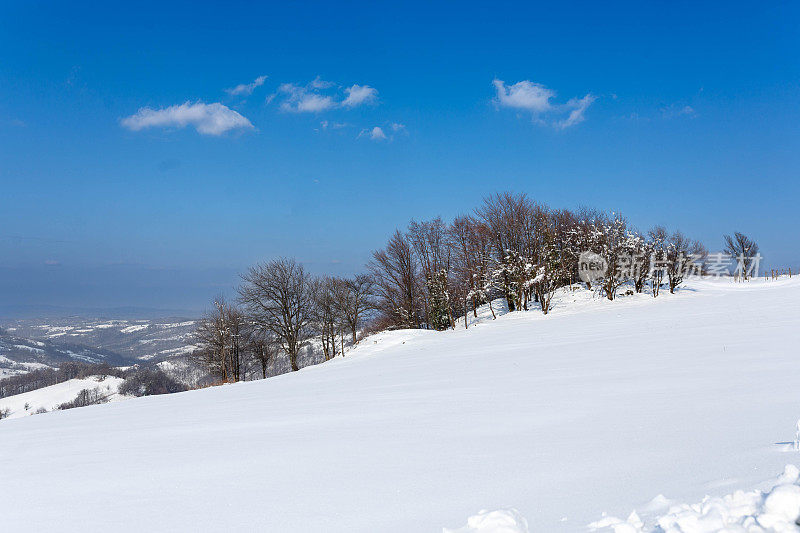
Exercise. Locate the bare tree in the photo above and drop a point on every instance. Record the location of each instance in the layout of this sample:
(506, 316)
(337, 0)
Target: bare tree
(430, 242)
(395, 272)
(325, 314)
(220, 335)
(353, 300)
(743, 250)
(684, 257)
(279, 298)
(264, 349)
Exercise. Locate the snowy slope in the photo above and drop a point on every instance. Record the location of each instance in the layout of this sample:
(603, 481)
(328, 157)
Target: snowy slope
(598, 407)
(54, 395)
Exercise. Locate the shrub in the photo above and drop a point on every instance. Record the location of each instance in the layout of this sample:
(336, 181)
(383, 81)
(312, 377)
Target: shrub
(84, 398)
(148, 382)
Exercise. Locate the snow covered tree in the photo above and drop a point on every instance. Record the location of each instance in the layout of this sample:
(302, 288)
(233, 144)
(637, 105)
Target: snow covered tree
(684, 258)
(514, 276)
(549, 274)
(439, 317)
(431, 246)
(617, 246)
(657, 244)
(640, 260)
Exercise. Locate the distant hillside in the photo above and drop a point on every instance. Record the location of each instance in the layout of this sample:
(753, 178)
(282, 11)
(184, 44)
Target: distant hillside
(130, 340)
(20, 354)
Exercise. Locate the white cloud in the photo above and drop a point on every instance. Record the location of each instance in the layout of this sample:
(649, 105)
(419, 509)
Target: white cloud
(319, 83)
(333, 125)
(207, 119)
(676, 110)
(246, 88)
(388, 132)
(303, 99)
(524, 95)
(376, 134)
(359, 94)
(320, 95)
(538, 100)
(579, 107)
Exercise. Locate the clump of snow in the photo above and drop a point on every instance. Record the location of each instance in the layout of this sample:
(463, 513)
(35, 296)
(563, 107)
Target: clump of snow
(498, 521)
(776, 510)
(133, 329)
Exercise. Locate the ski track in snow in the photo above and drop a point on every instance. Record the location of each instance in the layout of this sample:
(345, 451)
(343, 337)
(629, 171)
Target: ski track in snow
(549, 420)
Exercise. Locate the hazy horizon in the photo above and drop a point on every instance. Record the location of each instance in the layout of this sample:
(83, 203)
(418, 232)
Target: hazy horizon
(150, 172)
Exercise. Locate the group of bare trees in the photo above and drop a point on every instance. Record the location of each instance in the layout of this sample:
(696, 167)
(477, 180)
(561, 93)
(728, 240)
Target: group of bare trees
(521, 250)
(280, 308)
(434, 274)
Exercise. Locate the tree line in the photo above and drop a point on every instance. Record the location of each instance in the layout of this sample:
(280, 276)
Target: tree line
(434, 273)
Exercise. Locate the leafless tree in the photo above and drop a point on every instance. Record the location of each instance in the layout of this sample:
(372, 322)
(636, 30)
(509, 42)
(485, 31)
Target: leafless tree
(353, 301)
(684, 257)
(264, 349)
(743, 250)
(325, 314)
(396, 275)
(220, 336)
(279, 298)
(430, 243)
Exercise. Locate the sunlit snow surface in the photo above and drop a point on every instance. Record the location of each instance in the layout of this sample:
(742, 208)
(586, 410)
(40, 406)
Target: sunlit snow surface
(599, 407)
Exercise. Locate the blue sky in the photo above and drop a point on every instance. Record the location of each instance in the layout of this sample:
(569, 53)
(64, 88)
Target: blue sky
(114, 195)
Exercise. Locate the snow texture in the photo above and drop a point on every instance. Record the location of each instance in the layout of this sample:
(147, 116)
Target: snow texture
(596, 407)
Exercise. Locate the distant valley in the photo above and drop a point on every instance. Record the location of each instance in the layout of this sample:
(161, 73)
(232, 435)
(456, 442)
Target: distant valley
(31, 343)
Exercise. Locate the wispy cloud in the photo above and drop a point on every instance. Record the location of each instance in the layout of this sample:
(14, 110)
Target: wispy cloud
(359, 94)
(304, 99)
(677, 110)
(537, 99)
(207, 119)
(320, 95)
(325, 125)
(385, 133)
(578, 108)
(246, 89)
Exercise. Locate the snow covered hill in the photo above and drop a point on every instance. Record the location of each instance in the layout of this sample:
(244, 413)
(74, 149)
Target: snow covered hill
(598, 407)
(51, 397)
(20, 354)
(151, 340)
